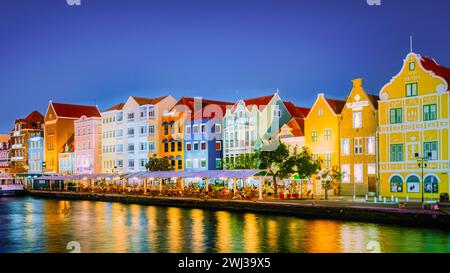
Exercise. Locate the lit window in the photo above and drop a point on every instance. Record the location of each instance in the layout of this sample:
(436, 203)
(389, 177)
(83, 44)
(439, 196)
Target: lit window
(188, 163)
(371, 168)
(327, 135)
(357, 120)
(345, 146)
(203, 163)
(218, 146)
(371, 145)
(358, 173)
(188, 146)
(396, 183)
(345, 173)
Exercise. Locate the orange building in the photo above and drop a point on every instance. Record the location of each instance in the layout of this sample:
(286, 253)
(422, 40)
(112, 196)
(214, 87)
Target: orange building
(59, 130)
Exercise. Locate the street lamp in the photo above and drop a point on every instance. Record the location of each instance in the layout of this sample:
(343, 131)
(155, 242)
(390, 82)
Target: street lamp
(422, 163)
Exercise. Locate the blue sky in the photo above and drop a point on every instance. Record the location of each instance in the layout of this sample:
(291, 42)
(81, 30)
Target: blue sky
(104, 51)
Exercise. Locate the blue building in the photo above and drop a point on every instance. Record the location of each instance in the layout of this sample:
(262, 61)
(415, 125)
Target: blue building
(203, 146)
(35, 153)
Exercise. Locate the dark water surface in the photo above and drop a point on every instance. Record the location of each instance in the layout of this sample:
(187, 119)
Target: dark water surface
(30, 224)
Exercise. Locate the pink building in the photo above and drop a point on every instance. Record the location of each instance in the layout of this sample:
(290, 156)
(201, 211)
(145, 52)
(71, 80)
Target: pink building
(4, 153)
(88, 145)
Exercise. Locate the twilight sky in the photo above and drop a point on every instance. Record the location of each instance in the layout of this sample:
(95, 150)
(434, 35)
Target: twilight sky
(106, 50)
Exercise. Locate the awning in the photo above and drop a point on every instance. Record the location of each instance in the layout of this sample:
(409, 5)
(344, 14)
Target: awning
(240, 174)
(79, 177)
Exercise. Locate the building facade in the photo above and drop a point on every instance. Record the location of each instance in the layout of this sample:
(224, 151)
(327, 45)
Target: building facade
(203, 146)
(253, 124)
(23, 129)
(59, 133)
(322, 134)
(4, 153)
(130, 133)
(414, 123)
(36, 153)
(358, 130)
(293, 133)
(88, 145)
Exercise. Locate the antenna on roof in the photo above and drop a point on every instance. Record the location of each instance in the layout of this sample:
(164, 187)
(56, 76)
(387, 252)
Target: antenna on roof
(410, 43)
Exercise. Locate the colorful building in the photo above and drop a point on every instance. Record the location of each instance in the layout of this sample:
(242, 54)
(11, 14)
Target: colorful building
(414, 123)
(358, 129)
(36, 153)
(131, 133)
(4, 153)
(23, 129)
(66, 159)
(203, 134)
(59, 133)
(88, 145)
(253, 124)
(293, 133)
(322, 134)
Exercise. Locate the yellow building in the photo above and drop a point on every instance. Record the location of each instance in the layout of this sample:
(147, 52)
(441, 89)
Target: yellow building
(358, 128)
(322, 133)
(414, 122)
(59, 130)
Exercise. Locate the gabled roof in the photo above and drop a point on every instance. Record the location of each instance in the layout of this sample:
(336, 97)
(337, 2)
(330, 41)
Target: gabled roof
(336, 105)
(374, 99)
(189, 102)
(33, 117)
(144, 101)
(259, 101)
(432, 65)
(116, 107)
(74, 111)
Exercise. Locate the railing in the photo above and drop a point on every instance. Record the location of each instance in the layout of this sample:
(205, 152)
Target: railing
(17, 146)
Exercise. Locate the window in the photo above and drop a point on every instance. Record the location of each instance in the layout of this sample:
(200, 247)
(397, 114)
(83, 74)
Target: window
(430, 112)
(151, 130)
(130, 116)
(396, 115)
(143, 112)
(203, 145)
(119, 116)
(203, 128)
(119, 132)
(327, 135)
(166, 147)
(195, 146)
(327, 160)
(188, 146)
(172, 146)
(119, 148)
(195, 163)
(357, 120)
(203, 163)
(358, 173)
(276, 113)
(131, 163)
(188, 163)
(411, 89)
(314, 136)
(412, 66)
(396, 152)
(396, 183)
(371, 168)
(131, 148)
(180, 164)
(358, 145)
(218, 128)
(345, 173)
(431, 184)
(143, 130)
(371, 145)
(179, 146)
(218, 163)
(130, 132)
(345, 146)
(413, 184)
(430, 150)
(195, 128)
(188, 129)
(166, 129)
(151, 147)
(151, 112)
(143, 147)
(320, 112)
(218, 146)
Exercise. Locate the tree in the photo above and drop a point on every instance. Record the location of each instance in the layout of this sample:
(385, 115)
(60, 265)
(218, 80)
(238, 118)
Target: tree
(155, 164)
(304, 164)
(331, 179)
(277, 163)
(242, 162)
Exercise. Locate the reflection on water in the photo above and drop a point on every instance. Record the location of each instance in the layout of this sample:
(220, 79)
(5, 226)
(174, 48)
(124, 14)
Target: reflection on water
(39, 225)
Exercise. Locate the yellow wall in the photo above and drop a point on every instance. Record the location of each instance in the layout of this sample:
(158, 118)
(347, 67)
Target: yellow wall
(179, 125)
(413, 131)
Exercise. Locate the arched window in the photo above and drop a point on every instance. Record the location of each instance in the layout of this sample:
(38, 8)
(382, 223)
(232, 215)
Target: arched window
(396, 184)
(431, 184)
(413, 184)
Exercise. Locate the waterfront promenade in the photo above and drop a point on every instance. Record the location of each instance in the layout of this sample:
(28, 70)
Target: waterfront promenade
(403, 213)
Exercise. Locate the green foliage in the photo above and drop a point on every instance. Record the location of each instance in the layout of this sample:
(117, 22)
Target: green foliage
(242, 162)
(304, 164)
(331, 179)
(155, 164)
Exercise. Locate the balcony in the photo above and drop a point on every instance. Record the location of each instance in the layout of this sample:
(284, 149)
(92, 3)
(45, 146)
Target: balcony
(16, 133)
(17, 146)
(17, 158)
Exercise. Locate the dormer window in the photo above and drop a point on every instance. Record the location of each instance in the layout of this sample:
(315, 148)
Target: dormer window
(412, 66)
(320, 112)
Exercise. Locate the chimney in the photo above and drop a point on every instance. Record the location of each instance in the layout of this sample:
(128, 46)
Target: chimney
(357, 82)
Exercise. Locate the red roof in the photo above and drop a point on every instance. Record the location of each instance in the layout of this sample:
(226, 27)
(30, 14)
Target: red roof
(33, 117)
(259, 101)
(374, 99)
(144, 101)
(432, 65)
(298, 126)
(303, 110)
(75, 111)
(116, 107)
(189, 102)
(336, 105)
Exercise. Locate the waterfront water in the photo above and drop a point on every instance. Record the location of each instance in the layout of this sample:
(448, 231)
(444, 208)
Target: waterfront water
(29, 224)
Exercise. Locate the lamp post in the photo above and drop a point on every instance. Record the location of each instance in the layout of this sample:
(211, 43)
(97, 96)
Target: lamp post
(422, 163)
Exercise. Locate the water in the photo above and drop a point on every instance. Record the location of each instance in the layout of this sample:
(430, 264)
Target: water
(29, 224)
